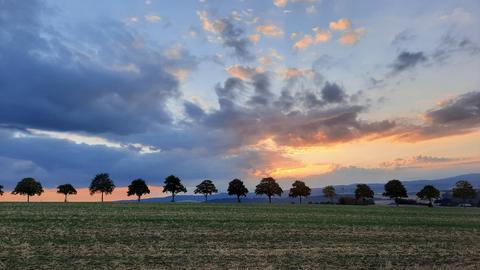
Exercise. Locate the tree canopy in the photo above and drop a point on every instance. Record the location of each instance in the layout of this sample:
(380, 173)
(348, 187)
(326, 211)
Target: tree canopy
(28, 186)
(394, 189)
(139, 188)
(66, 189)
(236, 187)
(429, 193)
(464, 190)
(102, 184)
(329, 192)
(299, 189)
(173, 185)
(363, 191)
(268, 186)
(1, 190)
(206, 187)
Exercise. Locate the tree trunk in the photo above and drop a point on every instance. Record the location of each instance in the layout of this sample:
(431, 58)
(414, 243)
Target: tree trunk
(173, 197)
(238, 198)
(65, 198)
(269, 199)
(28, 198)
(300, 199)
(102, 196)
(206, 197)
(139, 197)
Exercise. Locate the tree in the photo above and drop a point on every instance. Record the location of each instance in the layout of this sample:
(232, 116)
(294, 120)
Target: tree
(1, 190)
(236, 187)
(66, 190)
(429, 193)
(206, 187)
(329, 192)
(268, 186)
(29, 187)
(139, 188)
(299, 189)
(394, 189)
(173, 184)
(464, 190)
(363, 191)
(102, 184)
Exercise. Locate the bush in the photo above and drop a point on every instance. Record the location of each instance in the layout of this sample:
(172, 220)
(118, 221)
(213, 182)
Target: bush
(347, 200)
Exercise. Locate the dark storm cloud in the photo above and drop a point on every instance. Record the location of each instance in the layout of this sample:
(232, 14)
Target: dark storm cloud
(193, 110)
(262, 95)
(233, 37)
(114, 85)
(407, 60)
(298, 117)
(463, 109)
(456, 116)
(332, 93)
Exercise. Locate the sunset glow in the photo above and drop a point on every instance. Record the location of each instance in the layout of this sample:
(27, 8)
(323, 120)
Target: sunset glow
(327, 92)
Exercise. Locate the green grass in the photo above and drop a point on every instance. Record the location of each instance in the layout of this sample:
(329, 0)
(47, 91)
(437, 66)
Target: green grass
(245, 236)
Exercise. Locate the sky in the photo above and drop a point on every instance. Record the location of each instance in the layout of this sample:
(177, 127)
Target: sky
(327, 92)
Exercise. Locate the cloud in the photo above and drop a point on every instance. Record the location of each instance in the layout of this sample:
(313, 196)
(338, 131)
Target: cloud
(270, 30)
(408, 60)
(351, 37)
(153, 18)
(242, 72)
(311, 9)
(403, 37)
(255, 38)
(280, 3)
(332, 93)
(208, 25)
(120, 89)
(304, 42)
(321, 35)
(340, 25)
(456, 116)
(451, 44)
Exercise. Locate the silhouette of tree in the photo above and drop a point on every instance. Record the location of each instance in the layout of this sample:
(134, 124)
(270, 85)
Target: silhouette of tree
(173, 185)
(268, 186)
(363, 191)
(429, 193)
(1, 190)
(66, 189)
(329, 192)
(299, 189)
(28, 186)
(464, 191)
(139, 188)
(236, 187)
(102, 184)
(206, 187)
(394, 189)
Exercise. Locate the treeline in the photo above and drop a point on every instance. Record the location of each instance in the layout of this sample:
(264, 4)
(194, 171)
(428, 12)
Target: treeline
(103, 184)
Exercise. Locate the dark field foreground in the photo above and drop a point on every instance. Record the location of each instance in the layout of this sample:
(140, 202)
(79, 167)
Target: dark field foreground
(157, 236)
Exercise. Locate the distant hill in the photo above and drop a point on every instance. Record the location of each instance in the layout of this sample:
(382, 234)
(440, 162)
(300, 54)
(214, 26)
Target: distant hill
(412, 187)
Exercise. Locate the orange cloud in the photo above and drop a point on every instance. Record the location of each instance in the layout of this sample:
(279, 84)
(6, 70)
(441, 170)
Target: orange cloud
(321, 35)
(280, 3)
(304, 43)
(351, 37)
(242, 72)
(341, 24)
(208, 25)
(270, 30)
(255, 38)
